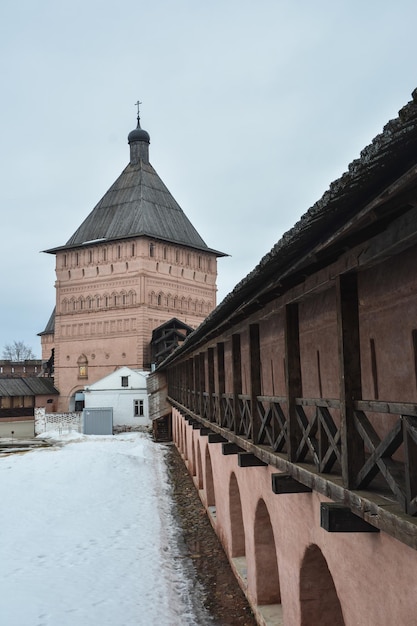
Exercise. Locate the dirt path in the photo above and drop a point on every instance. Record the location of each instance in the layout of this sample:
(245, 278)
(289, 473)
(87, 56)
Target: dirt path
(222, 595)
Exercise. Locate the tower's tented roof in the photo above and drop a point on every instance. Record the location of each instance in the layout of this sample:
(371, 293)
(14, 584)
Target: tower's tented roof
(137, 204)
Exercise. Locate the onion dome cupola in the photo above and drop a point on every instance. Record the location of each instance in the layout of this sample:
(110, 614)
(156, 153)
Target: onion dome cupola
(139, 141)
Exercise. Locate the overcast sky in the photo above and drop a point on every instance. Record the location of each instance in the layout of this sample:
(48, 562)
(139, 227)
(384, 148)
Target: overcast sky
(253, 109)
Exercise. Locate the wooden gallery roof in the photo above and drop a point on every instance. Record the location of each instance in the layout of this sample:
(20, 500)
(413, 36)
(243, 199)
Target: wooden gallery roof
(375, 196)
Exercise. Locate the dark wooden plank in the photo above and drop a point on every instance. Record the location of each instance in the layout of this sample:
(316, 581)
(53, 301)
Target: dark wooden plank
(353, 452)
(230, 448)
(237, 378)
(216, 438)
(221, 380)
(395, 408)
(255, 379)
(246, 459)
(211, 388)
(338, 518)
(293, 376)
(410, 453)
(285, 483)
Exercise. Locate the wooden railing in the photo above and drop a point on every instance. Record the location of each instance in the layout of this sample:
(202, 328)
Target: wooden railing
(389, 463)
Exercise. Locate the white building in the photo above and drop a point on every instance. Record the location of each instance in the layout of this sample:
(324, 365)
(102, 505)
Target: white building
(125, 391)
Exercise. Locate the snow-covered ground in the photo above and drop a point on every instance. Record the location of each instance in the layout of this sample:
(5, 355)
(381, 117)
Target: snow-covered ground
(88, 538)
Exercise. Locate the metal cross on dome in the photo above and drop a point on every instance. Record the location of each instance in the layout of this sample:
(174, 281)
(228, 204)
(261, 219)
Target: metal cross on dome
(138, 103)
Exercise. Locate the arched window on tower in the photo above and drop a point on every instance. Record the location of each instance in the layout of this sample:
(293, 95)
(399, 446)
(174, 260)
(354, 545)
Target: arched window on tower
(82, 364)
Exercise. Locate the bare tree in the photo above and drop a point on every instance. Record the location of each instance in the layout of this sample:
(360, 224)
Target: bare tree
(17, 351)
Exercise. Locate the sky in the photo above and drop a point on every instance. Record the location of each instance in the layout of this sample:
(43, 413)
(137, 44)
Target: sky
(91, 549)
(253, 109)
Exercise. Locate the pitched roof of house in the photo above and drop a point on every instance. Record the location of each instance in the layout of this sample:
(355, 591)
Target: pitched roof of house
(137, 204)
(29, 386)
(355, 205)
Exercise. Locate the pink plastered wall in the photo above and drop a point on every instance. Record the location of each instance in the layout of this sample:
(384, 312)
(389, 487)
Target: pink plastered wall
(374, 575)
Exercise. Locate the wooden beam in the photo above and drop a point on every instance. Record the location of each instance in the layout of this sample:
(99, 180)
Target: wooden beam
(237, 377)
(230, 448)
(246, 459)
(216, 438)
(211, 388)
(255, 379)
(353, 452)
(221, 381)
(285, 483)
(338, 518)
(293, 376)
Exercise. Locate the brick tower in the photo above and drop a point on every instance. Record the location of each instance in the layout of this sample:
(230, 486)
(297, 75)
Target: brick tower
(134, 263)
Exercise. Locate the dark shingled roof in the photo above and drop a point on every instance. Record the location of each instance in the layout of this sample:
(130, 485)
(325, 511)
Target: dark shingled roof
(390, 155)
(137, 204)
(50, 327)
(30, 386)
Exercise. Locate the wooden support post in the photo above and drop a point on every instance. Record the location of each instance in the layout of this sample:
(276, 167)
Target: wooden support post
(255, 379)
(202, 381)
(353, 453)
(210, 373)
(246, 459)
(190, 382)
(197, 397)
(285, 483)
(293, 376)
(338, 518)
(237, 379)
(221, 381)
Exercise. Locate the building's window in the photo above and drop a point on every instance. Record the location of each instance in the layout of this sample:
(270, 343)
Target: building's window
(1, 370)
(82, 364)
(12, 370)
(138, 408)
(159, 299)
(170, 269)
(36, 368)
(65, 260)
(106, 301)
(177, 256)
(124, 381)
(151, 249)
(124, 299)
(165, 253)
(188, 258)
(104, 254)
(24, 369)
(199, 262)
(90, 256)
(119, 252)
(133, 249)
(77, 258)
